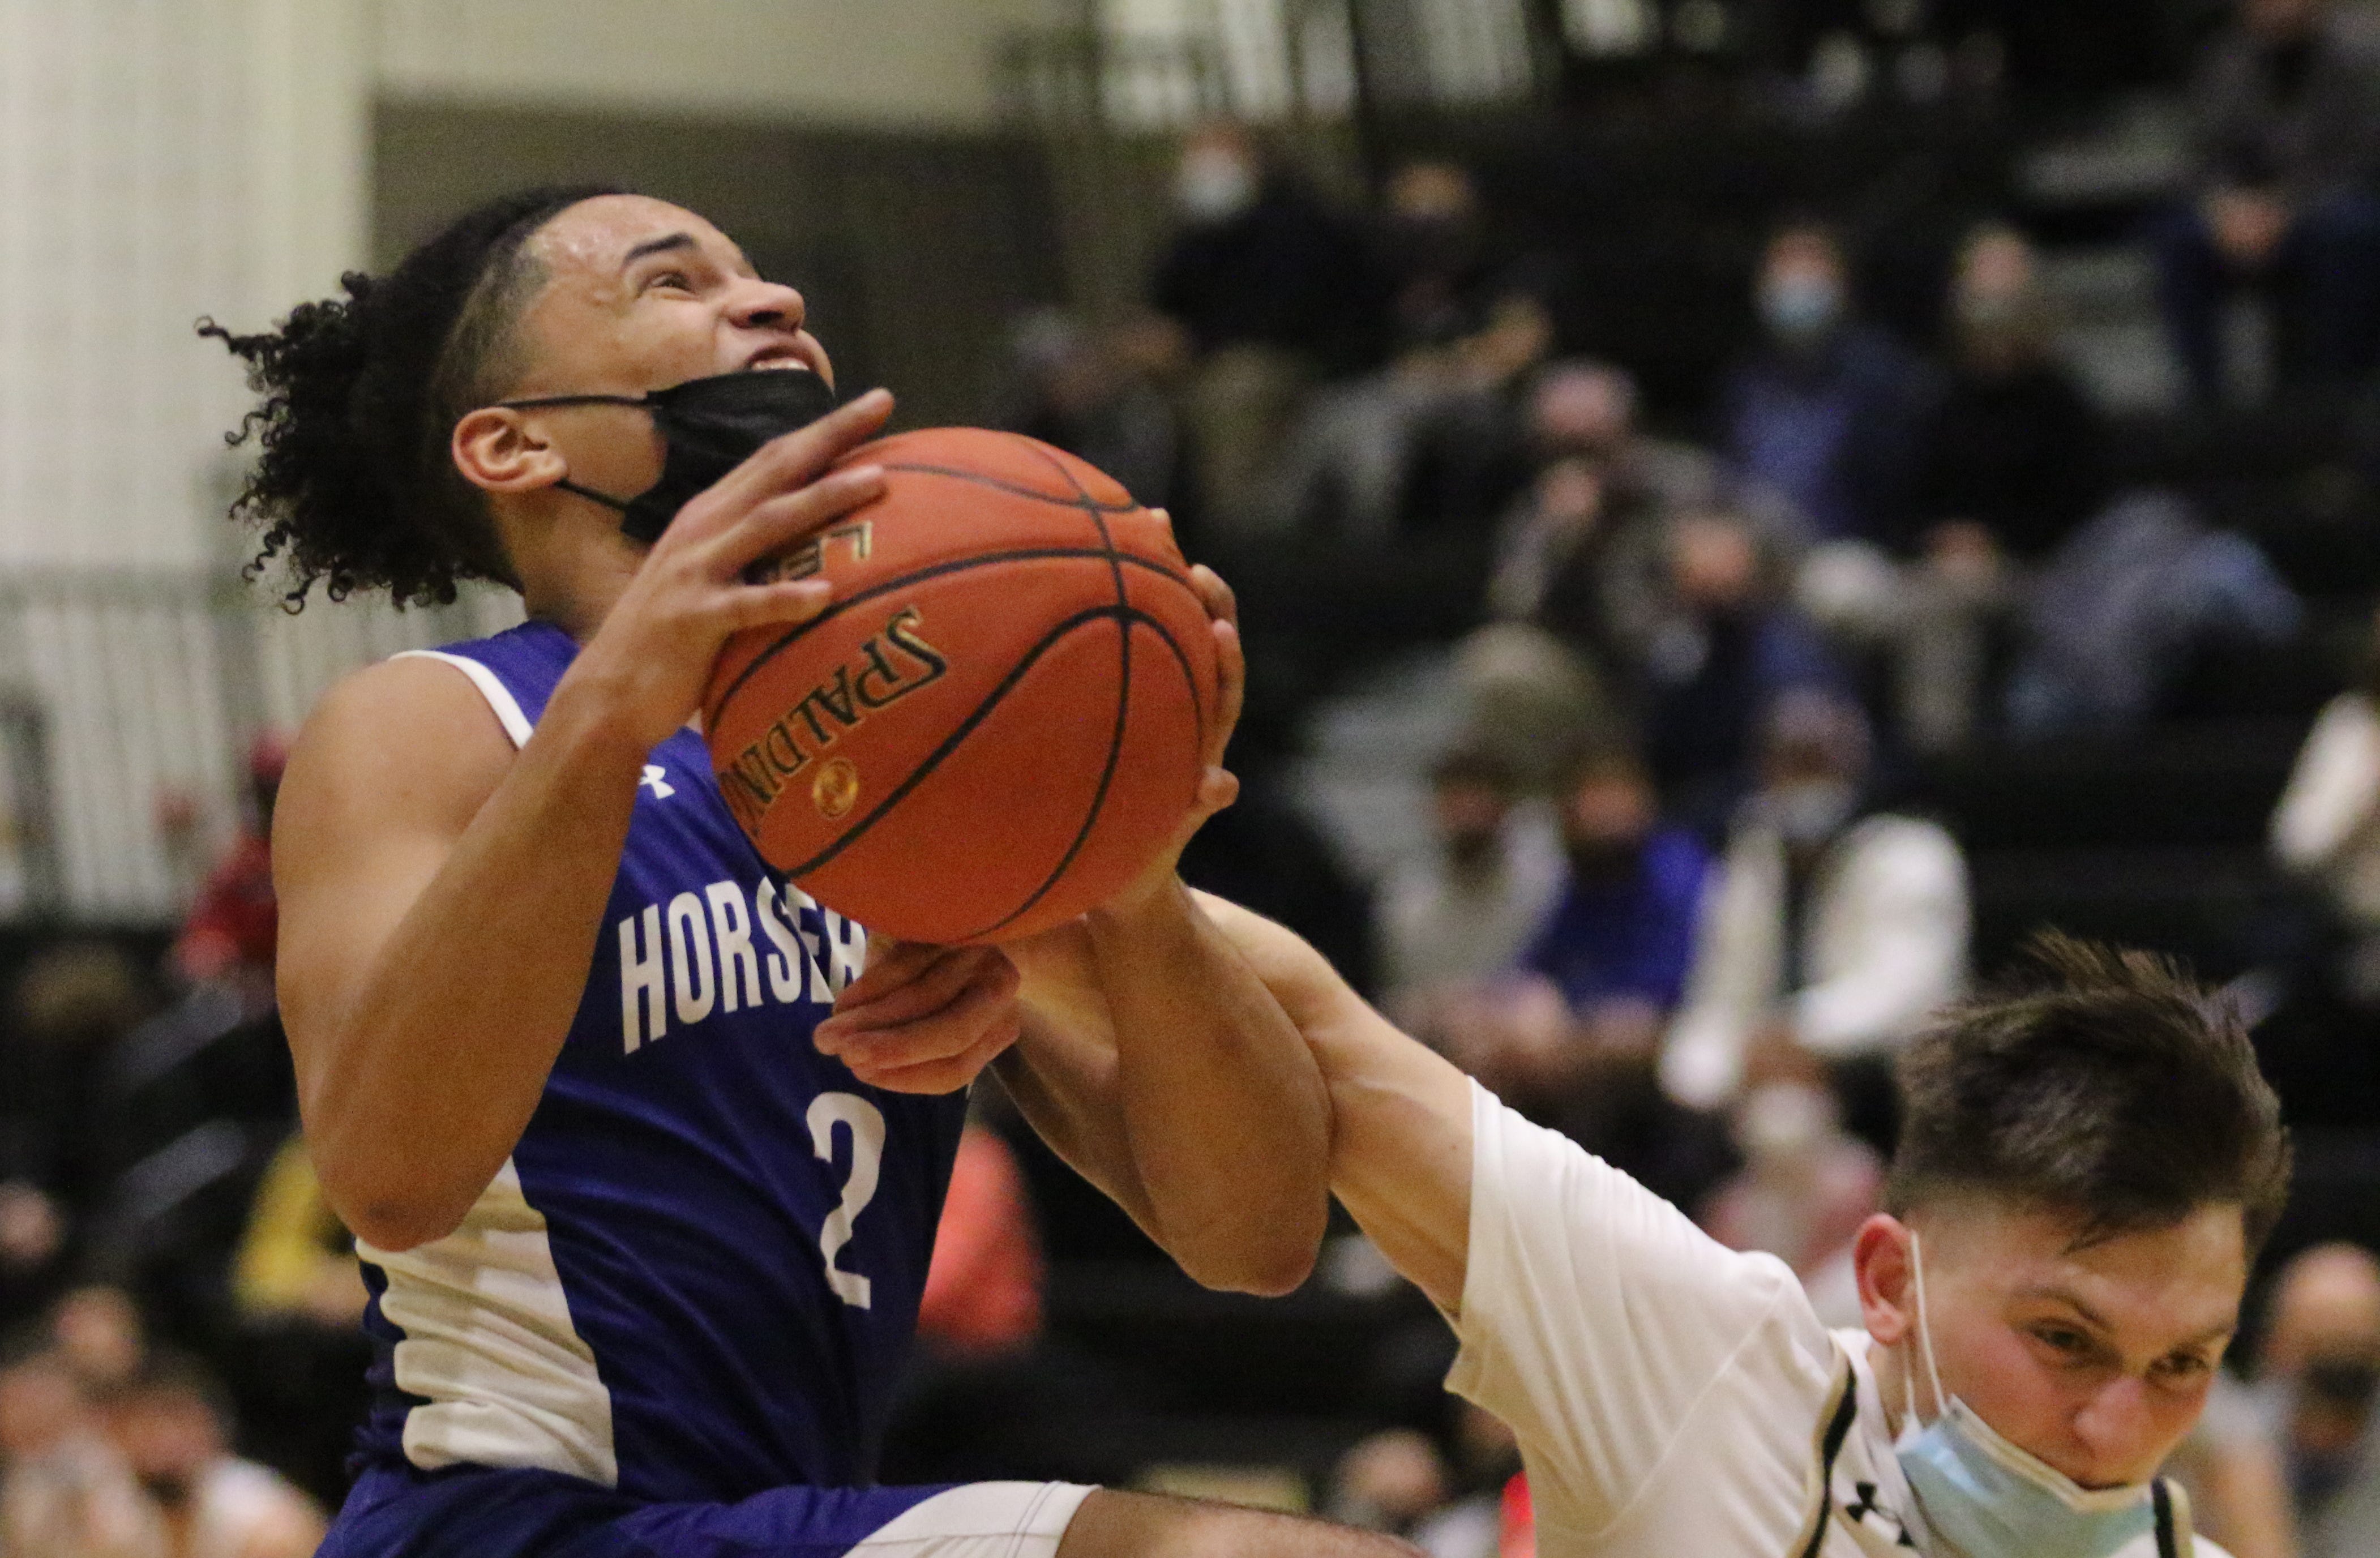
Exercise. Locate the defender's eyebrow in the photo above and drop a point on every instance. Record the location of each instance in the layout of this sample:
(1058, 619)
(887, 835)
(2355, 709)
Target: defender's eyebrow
(2066, 1297)
(659, 246)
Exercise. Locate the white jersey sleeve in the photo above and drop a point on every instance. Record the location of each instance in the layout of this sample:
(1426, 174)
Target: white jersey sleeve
(1602, 1326)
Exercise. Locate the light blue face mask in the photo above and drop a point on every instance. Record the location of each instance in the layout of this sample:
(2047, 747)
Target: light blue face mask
(1983, 1497)
(1801, 308)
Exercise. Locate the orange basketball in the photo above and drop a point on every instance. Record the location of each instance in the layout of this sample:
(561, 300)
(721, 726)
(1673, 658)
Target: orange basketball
(998, 722)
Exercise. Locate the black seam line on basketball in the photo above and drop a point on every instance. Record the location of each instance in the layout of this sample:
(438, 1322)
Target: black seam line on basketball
(1091, 506)
(1189, 679)
(1016, 489)
(1115, 735)
(950, 744)
(959, 564)
(1115, 555)
(1124, 703)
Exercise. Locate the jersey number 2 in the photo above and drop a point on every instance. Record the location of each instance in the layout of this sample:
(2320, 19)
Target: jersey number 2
(865, 1124)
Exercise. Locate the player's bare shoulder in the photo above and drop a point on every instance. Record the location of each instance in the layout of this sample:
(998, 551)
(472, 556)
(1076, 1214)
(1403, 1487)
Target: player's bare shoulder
(407, 744)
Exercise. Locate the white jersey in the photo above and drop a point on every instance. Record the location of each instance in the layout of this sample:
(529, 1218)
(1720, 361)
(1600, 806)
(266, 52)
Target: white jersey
(1670, 1395)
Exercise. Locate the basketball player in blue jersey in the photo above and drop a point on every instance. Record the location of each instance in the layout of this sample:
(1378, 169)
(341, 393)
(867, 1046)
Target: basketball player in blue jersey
(645, 1232)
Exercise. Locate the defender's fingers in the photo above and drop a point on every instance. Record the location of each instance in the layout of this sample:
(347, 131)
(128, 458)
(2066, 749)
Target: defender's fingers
(935, 1077)
(926, 994)
(784, 463)
(990, 987)
(891, 964)
(986, 1002)
(912, 987)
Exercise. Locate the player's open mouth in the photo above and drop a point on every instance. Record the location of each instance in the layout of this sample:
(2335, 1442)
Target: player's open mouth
(784, 356)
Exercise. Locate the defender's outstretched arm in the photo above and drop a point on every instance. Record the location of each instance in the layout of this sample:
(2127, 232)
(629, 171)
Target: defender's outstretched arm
(1155, 1061)
(1401, 1116)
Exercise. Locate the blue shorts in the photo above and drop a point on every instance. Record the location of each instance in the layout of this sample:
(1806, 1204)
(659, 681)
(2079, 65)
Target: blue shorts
(478, 1512)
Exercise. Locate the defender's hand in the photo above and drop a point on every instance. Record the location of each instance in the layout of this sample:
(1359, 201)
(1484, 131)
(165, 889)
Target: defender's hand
(654, 651)
(924, 1019)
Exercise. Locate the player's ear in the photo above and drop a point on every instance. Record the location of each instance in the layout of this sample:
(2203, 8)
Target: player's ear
(499, 450)
(1887, 1291)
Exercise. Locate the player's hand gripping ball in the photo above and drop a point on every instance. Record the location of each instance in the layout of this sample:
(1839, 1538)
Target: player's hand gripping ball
(1000, 722)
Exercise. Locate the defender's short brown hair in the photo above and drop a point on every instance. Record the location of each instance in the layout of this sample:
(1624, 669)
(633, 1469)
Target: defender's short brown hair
(2114, 1087)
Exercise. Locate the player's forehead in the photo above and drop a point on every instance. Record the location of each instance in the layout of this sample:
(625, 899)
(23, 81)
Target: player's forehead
(599, 240)
(2154, 1286)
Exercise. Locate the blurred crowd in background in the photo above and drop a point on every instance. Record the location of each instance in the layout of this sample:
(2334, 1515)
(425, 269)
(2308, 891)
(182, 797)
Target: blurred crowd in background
(1735, 712)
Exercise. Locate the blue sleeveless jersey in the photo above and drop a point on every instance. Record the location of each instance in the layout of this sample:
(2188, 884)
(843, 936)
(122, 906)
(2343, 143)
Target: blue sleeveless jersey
(698, 1275)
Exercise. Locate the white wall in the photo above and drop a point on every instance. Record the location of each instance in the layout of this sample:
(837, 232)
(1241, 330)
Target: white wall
(857, 62)
(163, 159)
(159, 160)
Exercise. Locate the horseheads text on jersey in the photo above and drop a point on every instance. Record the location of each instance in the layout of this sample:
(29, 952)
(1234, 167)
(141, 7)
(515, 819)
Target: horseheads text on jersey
(698, 952)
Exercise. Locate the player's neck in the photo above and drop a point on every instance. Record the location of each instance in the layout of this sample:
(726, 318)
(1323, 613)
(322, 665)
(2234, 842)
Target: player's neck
(572, 571)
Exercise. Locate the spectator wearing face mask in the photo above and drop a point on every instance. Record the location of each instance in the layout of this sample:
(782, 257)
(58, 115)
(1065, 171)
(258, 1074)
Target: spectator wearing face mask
(1433, 247)
(2015, 457)
(1827, 410)
(1429, 441)
(1258, 258)
(1569, 1038)
(1831, 932)
(1271, 288)
(1466, 910)
(1619, 940)
(1581, 552)
(2287, 129)
(1727, 646)
(170, 1426)
(1579, 578)
(2315, 1389)
(2011, 461)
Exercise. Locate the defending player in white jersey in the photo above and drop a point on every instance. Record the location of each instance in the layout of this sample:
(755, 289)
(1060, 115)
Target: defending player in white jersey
(2085, 1173)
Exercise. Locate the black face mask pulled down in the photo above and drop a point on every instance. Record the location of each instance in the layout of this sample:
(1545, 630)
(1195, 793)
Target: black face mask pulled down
(711, 425)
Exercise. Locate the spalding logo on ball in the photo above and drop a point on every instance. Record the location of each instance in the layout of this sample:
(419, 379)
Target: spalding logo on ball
(998, 722)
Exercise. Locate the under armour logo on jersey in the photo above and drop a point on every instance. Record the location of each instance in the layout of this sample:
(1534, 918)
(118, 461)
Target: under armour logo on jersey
(657, 778)
(1865, 1505)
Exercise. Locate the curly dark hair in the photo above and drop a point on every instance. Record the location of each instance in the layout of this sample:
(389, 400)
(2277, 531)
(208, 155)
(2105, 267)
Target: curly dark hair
(2109, 1085)
(353, 484)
